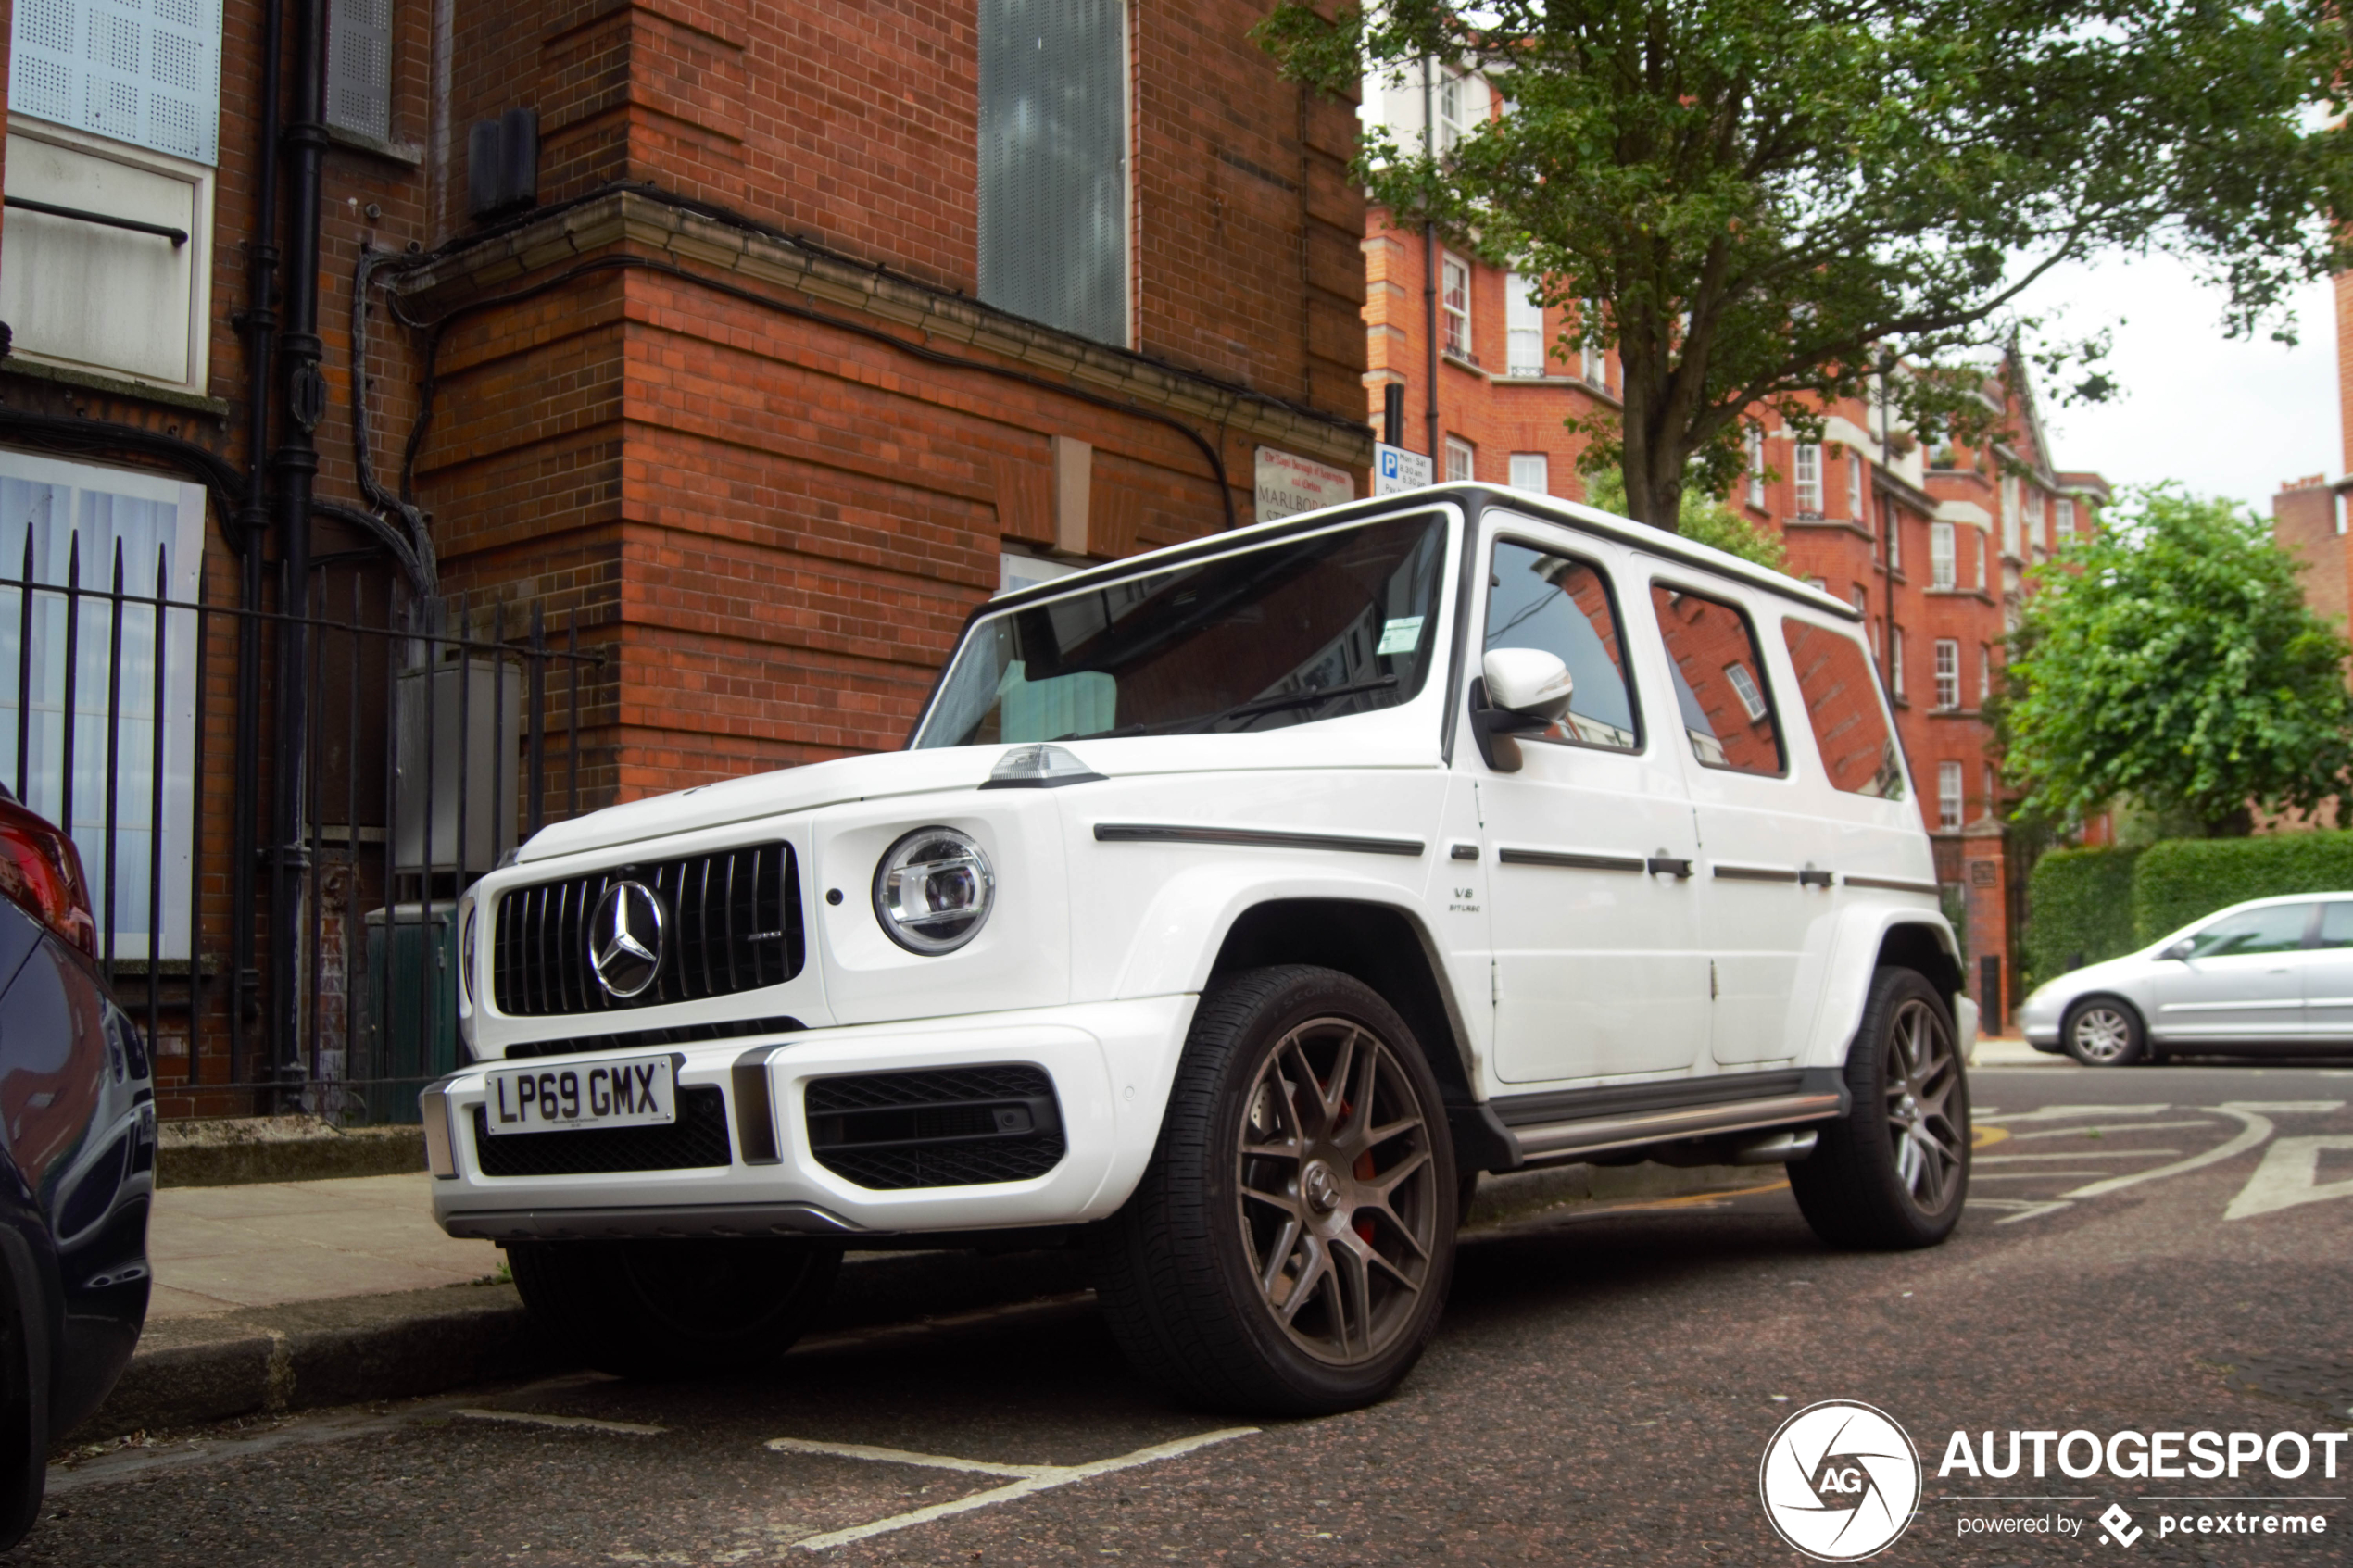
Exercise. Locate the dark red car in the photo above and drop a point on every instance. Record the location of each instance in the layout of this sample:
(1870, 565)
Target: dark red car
(77, 1162)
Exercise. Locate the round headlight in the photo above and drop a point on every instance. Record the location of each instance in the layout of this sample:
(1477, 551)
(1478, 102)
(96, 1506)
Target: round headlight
(932, 890)
(466, 955)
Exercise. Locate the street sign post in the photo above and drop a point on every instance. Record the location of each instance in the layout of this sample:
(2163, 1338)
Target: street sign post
(1394, 469)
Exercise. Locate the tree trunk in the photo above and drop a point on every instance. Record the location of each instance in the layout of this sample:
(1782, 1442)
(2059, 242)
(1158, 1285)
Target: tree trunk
(1651, 462)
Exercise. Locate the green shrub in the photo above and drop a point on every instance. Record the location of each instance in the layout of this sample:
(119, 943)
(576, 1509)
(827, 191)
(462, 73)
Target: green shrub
(2182, 879)
(2078, 906)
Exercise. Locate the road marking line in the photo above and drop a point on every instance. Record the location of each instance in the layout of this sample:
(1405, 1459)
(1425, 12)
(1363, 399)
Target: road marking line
(1034, 1479)
(1980, 1137)
(2257, 1130)
(2285, 1106)
(847, 1338)
(2065, 1112)
(2031, 1175)
(580, 1422)
(2289, 1175)
(2033, 1211)
(2123, 1127)
(2073, 1154)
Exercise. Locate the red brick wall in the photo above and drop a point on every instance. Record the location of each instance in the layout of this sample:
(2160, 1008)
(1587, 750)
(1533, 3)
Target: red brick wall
(2304, 518)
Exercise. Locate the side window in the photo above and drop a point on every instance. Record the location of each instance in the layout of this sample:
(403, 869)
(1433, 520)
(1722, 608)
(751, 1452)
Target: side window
(1719, 682)
(2337, 925)
(1842, 704)
(2276, 929)
(1539, 600)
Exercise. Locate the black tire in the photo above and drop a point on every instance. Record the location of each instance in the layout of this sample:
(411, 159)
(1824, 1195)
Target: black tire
(2104, 1032)
(1246, 1303)
(675, 1309)
(1893, 1172)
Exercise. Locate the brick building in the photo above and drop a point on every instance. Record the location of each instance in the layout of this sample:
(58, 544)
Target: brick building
(2308, 515)
(751, 346)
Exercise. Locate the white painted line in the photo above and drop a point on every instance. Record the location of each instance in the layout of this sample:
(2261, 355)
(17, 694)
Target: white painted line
(2285, 1106)
(2068, 1112)
(2288, 1176)
(2255, 1131)
(2123, 1127)
(2074, 1154)
(2033, 1210)
(1035, 1478)
(2030, 1175)
(899, 1456)
(566, 1423)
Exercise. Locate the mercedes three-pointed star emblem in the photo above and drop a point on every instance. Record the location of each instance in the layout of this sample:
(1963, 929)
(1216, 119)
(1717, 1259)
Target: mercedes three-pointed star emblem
(624, 940)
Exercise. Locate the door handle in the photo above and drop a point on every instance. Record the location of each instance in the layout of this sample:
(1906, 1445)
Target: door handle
(1809, 877)
(1662, 862)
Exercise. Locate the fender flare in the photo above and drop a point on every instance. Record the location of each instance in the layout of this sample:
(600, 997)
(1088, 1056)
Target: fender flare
(1860, 937)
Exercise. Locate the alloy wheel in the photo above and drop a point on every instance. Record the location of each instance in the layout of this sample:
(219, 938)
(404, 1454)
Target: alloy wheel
(1923, 1072)
(1337, 1191)
(2102, 1034)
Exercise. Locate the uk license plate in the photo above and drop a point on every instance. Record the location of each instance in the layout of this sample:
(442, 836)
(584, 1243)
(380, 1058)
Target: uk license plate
(605, 1094)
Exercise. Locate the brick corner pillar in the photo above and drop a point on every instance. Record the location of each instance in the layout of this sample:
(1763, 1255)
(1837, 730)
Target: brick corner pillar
(1985, 878)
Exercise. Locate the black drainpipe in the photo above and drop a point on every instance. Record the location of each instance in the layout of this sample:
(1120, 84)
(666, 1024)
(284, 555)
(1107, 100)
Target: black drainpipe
(296, 465)
(260, 328)
(1429, 287)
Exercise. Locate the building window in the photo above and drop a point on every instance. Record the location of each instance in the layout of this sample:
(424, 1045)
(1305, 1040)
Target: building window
(2009, 515)
(1450, 113)
(1523, 327)
(1455, 296)
(2038, 520)
(1854, 502)
(360, 68)
(1054, 164)
(1992, 791)
(1810, 479)
(2067, 517)
(1819, 585)
(1985, 671)
(1593, 359)
(1531, 471)
(1984, 548)
(1757, 466)
(1895, 662)
(1940, 555)
(108, 68)
(1948, 672)
(1895, 539)
(1948, 796)
(65, 508)
(1459, 463)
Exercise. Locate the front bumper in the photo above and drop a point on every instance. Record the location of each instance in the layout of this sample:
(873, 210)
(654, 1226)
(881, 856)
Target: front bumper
(2038, 1019)
(1111, 1064)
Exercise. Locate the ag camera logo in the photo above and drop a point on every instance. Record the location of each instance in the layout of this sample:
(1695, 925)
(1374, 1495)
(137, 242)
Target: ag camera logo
(1840, 1481)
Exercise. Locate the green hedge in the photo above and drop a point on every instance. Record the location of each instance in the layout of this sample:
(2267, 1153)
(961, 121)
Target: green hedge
(2079, 911)
(2183, 878)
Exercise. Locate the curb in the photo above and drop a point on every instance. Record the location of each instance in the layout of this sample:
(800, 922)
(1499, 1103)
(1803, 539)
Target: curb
(350, 1350)
(232, 1151)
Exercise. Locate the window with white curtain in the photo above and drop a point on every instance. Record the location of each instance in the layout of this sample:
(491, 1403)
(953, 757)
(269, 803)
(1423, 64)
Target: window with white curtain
(1854, 506)
(1593, 359)
(71, 510)
(1755, 466)
(1948, 672)
(1453, 299)
(2009, 515)
(1460, 464)
(1948, 796)
(1895, 662)
(1449, 112)
(1984, 548)
(1940, 555)
(1523, 327)
(1984, 671)
(1531, 471)
(1810, 479)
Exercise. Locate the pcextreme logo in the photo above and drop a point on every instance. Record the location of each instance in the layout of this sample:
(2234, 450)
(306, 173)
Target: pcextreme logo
(1839, 1481)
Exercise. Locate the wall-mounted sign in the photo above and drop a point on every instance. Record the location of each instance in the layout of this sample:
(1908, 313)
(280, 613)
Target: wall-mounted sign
(1394, 469)
(1287, 485)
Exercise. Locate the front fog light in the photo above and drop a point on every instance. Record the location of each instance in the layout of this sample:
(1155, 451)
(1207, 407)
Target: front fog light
(932, 890)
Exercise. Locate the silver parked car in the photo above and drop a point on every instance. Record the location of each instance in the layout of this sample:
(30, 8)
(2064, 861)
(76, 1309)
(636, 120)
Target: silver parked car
(2266, 973)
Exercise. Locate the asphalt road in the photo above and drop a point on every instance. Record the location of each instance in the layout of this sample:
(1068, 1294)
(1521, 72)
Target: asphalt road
(2156, 1249)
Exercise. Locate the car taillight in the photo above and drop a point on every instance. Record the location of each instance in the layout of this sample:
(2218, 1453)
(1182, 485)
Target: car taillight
(42, 871)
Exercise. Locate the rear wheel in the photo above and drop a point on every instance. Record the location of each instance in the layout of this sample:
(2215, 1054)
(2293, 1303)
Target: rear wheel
(1289, 1247)
(2102, 1032)
(1893, 1172)
(675, 1309)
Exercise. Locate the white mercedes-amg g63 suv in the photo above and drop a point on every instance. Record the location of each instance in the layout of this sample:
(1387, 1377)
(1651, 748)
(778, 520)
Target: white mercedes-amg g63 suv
(1231, 909)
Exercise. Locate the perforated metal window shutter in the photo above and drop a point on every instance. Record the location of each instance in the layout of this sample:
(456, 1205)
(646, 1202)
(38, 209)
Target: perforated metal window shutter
(360, 66)
(1053, 152)
(146, 73)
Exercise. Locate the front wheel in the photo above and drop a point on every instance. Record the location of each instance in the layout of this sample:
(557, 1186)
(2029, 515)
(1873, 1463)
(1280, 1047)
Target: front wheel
(1289, 1247)
(1891, 1173)
(2102, 1033)
(675, 1309)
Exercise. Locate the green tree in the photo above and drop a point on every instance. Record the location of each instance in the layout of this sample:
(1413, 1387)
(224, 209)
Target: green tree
(1771, 197)
(2170, 659)
(1702, 518)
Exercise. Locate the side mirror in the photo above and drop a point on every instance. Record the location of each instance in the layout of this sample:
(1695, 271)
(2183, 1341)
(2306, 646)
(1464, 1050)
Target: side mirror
(2178, 950)
(1519, 690)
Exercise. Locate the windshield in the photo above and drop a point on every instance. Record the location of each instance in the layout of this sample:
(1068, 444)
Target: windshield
(1298, 630)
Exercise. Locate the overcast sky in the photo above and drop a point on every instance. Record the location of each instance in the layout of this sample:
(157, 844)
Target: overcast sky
(2225, 417)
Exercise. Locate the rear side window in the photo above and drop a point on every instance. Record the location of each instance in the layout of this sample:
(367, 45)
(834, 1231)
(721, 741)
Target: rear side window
(1719, 682)
(1539, 600)
(1842, 703)
(2337, 925)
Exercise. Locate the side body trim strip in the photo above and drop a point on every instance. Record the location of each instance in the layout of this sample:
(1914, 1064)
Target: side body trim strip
(1561, 858)
(1893, 883)
(1256, 839)
(1753, 873)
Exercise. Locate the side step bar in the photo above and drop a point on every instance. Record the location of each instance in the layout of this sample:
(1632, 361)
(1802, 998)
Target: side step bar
(1556, 1128)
